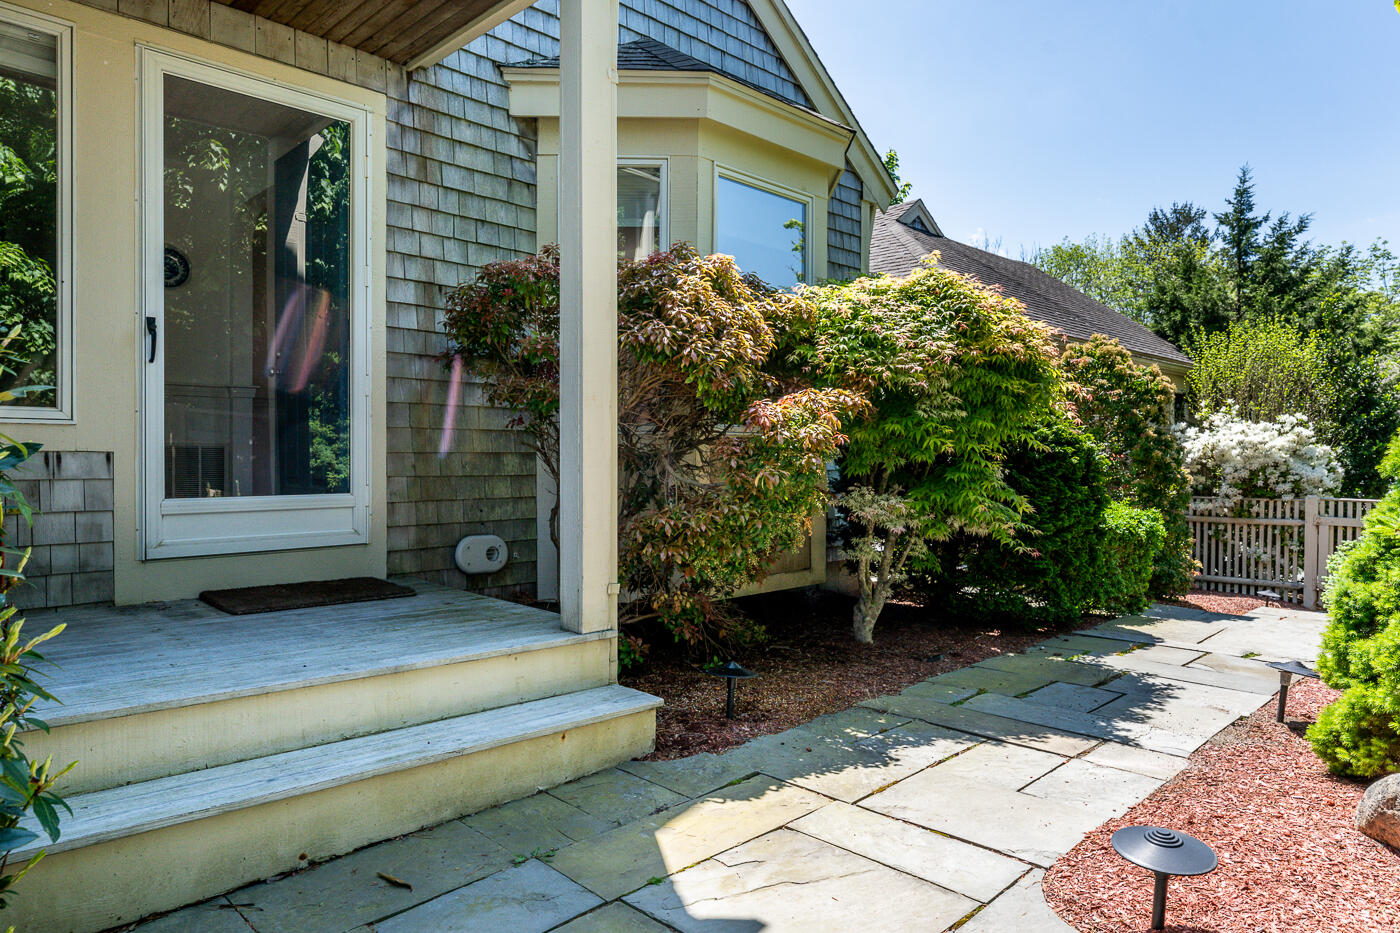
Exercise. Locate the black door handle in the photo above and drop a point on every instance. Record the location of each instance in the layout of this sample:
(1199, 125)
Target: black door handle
(151, 332)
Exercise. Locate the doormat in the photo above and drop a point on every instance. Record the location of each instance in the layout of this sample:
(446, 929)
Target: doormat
(249, 599)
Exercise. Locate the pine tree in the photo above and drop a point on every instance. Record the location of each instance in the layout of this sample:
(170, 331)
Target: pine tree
(1238, 229)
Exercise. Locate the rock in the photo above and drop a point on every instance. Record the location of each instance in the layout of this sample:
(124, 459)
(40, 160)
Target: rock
(1378, 815)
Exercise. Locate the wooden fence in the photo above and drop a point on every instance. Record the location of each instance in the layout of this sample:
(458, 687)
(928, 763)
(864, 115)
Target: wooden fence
(1281, 545)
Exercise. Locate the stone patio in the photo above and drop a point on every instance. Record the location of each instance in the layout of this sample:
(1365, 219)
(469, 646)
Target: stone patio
(941, 805)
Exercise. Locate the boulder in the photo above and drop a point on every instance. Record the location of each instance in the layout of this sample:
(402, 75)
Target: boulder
(1378, 815)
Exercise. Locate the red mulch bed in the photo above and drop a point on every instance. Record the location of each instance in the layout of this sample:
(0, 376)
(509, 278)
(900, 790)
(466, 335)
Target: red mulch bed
(810, 665)
(1290, 859)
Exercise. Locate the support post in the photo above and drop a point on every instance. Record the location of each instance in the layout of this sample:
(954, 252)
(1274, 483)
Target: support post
(1312, 551)
(588, 314)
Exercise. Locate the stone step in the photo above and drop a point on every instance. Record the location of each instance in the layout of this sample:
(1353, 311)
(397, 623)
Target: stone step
(162, 843)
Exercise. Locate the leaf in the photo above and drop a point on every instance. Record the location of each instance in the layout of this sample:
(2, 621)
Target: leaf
(47, 817)
(14, 837)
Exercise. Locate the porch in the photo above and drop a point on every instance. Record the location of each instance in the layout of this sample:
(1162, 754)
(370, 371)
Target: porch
(214, 750)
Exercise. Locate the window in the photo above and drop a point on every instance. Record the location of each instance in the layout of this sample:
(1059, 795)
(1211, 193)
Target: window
(33, 202)
(257, 321)
(641, 208)
(764, 231)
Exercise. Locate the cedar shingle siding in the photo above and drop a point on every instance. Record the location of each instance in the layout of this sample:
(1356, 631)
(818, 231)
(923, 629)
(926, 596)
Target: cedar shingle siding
(843, 228)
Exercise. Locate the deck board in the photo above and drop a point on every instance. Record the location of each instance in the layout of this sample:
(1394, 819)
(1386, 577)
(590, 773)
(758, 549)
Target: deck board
(120, 661)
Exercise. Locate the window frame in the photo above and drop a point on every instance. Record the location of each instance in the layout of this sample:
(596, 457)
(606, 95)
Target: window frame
(772, 187)
(199, 527)
(664, 202)
(61, 412)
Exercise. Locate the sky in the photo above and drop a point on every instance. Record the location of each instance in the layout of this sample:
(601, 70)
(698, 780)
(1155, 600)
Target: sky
(1028, 122)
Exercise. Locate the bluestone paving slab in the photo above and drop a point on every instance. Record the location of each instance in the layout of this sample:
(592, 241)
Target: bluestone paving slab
(1138, 760)
(348, 891)
(1029, 828)
(998, 764)
(881, 760)
(1241, 679)
(1107, 791)
(216, 915)
(978, 678)
(985, 724)
(530, 898)
(617, 796)
(1046, 666)
(539, 822)
(624, 859)
(1020, 910)
(788, 882)
(1073, 696)
(694, 776)
(1284, 640)
(971, 871)
(1073, 646)
(616, 917)
(1099, 725)
(942, 692)
(1183, 633)
(1166, 654)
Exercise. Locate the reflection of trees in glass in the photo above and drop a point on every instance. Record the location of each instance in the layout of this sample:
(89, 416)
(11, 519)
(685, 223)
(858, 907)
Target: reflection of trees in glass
(29, 232)
(327, 270)
(799, 247)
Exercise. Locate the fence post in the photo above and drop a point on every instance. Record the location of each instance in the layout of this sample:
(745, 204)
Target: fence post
(1312, 551)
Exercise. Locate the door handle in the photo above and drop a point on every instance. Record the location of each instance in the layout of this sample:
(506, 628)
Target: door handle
(151, 333)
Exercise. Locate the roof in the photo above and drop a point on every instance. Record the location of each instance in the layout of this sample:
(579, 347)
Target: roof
(897, 246)
(651, 55)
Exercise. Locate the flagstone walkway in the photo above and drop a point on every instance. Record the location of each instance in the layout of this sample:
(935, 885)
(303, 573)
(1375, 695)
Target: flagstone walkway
(906, 812)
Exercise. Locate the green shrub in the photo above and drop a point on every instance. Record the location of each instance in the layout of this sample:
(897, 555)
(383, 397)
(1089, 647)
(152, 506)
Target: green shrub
(1359, 734)
(1051, 573)
(1130, 539)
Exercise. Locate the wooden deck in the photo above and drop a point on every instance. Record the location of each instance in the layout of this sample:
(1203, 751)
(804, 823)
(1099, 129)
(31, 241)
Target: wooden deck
(118, 661)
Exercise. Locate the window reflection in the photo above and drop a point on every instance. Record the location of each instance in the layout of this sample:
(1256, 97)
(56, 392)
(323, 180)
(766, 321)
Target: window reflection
(763, 231)
(639, 200)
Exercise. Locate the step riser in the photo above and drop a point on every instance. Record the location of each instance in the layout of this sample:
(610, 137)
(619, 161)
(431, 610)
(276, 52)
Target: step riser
(141, 747)
(100, 886)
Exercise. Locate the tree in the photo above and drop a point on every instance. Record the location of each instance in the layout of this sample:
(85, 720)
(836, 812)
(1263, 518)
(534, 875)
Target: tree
(901, 187)
(1260, 369)
(956, 375)
(722, 447)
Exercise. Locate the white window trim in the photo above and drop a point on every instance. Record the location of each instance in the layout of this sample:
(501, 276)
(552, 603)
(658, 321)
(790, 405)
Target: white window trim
(234, 525)
(772, 187)
(664, 203)
(62, 411)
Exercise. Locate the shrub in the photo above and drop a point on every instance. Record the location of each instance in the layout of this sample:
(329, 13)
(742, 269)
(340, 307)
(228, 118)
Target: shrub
(1127, 408)
(1359, 734)
(1130, 539)
(1262, 369)
(1230, 458)
(722, 452)
(956, 375)
(1052, 573)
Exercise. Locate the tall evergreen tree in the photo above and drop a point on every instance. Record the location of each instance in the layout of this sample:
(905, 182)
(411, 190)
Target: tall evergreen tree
(1238, 228)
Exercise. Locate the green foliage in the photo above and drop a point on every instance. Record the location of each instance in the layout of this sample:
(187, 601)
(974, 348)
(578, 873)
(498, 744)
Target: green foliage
(901, 187)
(1131, 539)
(722, 449)
(1127, 408)
(1359, 735)
(1052, 572)
(25, 785)
(956, 375)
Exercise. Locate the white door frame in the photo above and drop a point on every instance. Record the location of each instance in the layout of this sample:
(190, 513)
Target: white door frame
(231, 525)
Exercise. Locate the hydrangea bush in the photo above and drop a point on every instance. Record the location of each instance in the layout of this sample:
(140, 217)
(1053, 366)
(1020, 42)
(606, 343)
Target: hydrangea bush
(1230, 458)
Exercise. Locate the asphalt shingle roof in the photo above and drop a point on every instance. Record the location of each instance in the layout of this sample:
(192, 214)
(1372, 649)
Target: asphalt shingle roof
(897, 249)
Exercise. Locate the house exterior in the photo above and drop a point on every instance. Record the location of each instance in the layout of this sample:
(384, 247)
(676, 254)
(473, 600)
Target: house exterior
(252, 212)
(906, 233)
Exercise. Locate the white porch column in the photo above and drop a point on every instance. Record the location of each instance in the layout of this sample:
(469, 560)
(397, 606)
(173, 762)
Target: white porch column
(588, 314)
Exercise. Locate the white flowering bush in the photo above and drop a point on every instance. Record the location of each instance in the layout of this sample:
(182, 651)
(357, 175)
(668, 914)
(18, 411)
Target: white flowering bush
(1233, 459)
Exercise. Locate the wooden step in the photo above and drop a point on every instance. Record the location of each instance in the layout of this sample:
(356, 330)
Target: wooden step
(153, 691)
(162, 843)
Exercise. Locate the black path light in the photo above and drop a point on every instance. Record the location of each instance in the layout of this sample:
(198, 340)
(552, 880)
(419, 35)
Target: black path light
(730, 671)
(1164, 852)
(1287, 670)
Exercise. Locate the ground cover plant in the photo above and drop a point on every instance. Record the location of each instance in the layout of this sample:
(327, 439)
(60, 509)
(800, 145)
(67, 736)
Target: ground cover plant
(722, 443)
(1359, 734)
(955, 375)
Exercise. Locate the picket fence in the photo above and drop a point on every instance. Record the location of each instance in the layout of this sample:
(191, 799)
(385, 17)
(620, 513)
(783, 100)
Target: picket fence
(1278, 545)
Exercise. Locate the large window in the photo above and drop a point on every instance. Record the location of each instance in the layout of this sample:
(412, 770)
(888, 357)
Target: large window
(763, 230)
(641, 208)
(33, 201)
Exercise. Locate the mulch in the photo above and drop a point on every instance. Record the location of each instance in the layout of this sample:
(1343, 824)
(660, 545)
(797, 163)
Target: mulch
(811, 665)
(1290, 859)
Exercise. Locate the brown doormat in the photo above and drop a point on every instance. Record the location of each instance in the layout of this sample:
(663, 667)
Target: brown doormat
(249, 599)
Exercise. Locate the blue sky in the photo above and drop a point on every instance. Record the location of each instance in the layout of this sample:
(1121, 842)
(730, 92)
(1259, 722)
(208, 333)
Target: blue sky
(1032, 121)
